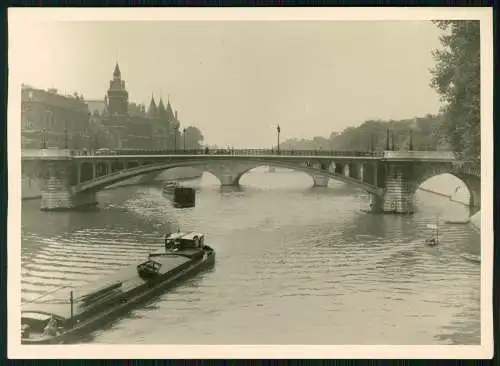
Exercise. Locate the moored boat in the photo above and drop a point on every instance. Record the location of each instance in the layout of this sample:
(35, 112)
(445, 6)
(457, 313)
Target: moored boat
(184, 197)
(69, 314)
(434, 240)
(181, 197)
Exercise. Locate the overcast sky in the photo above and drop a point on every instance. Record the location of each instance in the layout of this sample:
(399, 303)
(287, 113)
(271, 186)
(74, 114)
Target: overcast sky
(237, 80)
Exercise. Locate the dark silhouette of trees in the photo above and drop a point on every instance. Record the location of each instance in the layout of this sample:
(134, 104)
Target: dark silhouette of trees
(372, 135)
(194, 137)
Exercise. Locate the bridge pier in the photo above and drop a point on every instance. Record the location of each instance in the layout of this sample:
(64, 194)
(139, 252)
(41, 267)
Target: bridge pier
(398, 195)
(58, 177)
(398, 190)
(229, 175)
(229, 180)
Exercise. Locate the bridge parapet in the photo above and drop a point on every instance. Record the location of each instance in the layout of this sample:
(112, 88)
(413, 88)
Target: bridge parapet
(47, 154)
(233, 152)
(441, 156)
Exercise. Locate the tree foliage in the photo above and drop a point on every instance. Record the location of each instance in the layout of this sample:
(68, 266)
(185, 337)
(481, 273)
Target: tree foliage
(456, 77)
(193, 137)
(373, 135)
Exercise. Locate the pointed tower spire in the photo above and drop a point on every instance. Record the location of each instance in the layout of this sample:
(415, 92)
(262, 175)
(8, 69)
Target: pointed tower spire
(152, 110)
(169, 112)
(161, 108)
(117, 94)
(117, 75)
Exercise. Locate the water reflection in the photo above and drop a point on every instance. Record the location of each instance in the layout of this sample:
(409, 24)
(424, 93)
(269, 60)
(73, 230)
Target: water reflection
(294, 265)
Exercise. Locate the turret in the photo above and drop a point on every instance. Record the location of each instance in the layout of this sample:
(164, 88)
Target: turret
(161, 109)
(153, 109)
(117, 94)
(169, 112)
(117, 75)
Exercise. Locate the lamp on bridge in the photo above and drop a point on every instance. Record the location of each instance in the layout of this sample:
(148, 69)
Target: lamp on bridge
(44, 139)
(278, 130)
(184, 137)
(410, 143)
(387, 140)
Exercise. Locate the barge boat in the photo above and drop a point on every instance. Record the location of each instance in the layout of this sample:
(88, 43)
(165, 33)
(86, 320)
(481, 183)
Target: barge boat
(181, 197)
(64, 315)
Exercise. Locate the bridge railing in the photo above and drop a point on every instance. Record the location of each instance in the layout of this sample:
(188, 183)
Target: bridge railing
(230, 152)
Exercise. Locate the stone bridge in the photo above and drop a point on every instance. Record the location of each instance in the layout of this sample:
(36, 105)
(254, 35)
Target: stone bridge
(72, 179)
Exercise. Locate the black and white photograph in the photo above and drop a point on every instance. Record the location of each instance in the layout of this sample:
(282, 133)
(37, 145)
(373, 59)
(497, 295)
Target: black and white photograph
(252, 183)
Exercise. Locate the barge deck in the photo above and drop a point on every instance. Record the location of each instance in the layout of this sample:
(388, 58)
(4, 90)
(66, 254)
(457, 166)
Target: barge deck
(67, 313)
(59, 302)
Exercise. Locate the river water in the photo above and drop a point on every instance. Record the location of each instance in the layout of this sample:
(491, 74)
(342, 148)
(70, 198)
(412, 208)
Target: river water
(295, 265)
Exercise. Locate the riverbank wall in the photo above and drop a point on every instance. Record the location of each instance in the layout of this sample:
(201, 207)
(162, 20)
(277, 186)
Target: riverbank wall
(31, 187)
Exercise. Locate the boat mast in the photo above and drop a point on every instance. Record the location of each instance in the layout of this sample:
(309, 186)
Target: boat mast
(437, 229)
(71, 304)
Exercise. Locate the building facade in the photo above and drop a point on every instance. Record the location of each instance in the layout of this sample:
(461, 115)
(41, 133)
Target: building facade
(52, 120)
(131, 125)
(49, 119)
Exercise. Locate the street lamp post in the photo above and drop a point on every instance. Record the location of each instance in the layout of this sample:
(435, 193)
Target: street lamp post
(387, 140)
(184, 137)
(410, 147)
(278, 130)
(372, 143)
(44, 141)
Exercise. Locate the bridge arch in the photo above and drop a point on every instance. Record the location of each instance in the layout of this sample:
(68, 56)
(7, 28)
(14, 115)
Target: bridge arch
(228, 172)
(468, 176)
(308, 178)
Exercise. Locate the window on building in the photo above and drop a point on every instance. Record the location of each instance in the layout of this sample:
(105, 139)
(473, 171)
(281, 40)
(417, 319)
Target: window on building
(49, 119)
(27, 124)
(30, 95)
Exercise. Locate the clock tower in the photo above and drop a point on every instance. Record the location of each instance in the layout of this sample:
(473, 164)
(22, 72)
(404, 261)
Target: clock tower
(117, 94)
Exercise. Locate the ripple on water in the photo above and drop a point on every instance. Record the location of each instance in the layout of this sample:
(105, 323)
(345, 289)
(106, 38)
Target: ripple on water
(293, 266)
